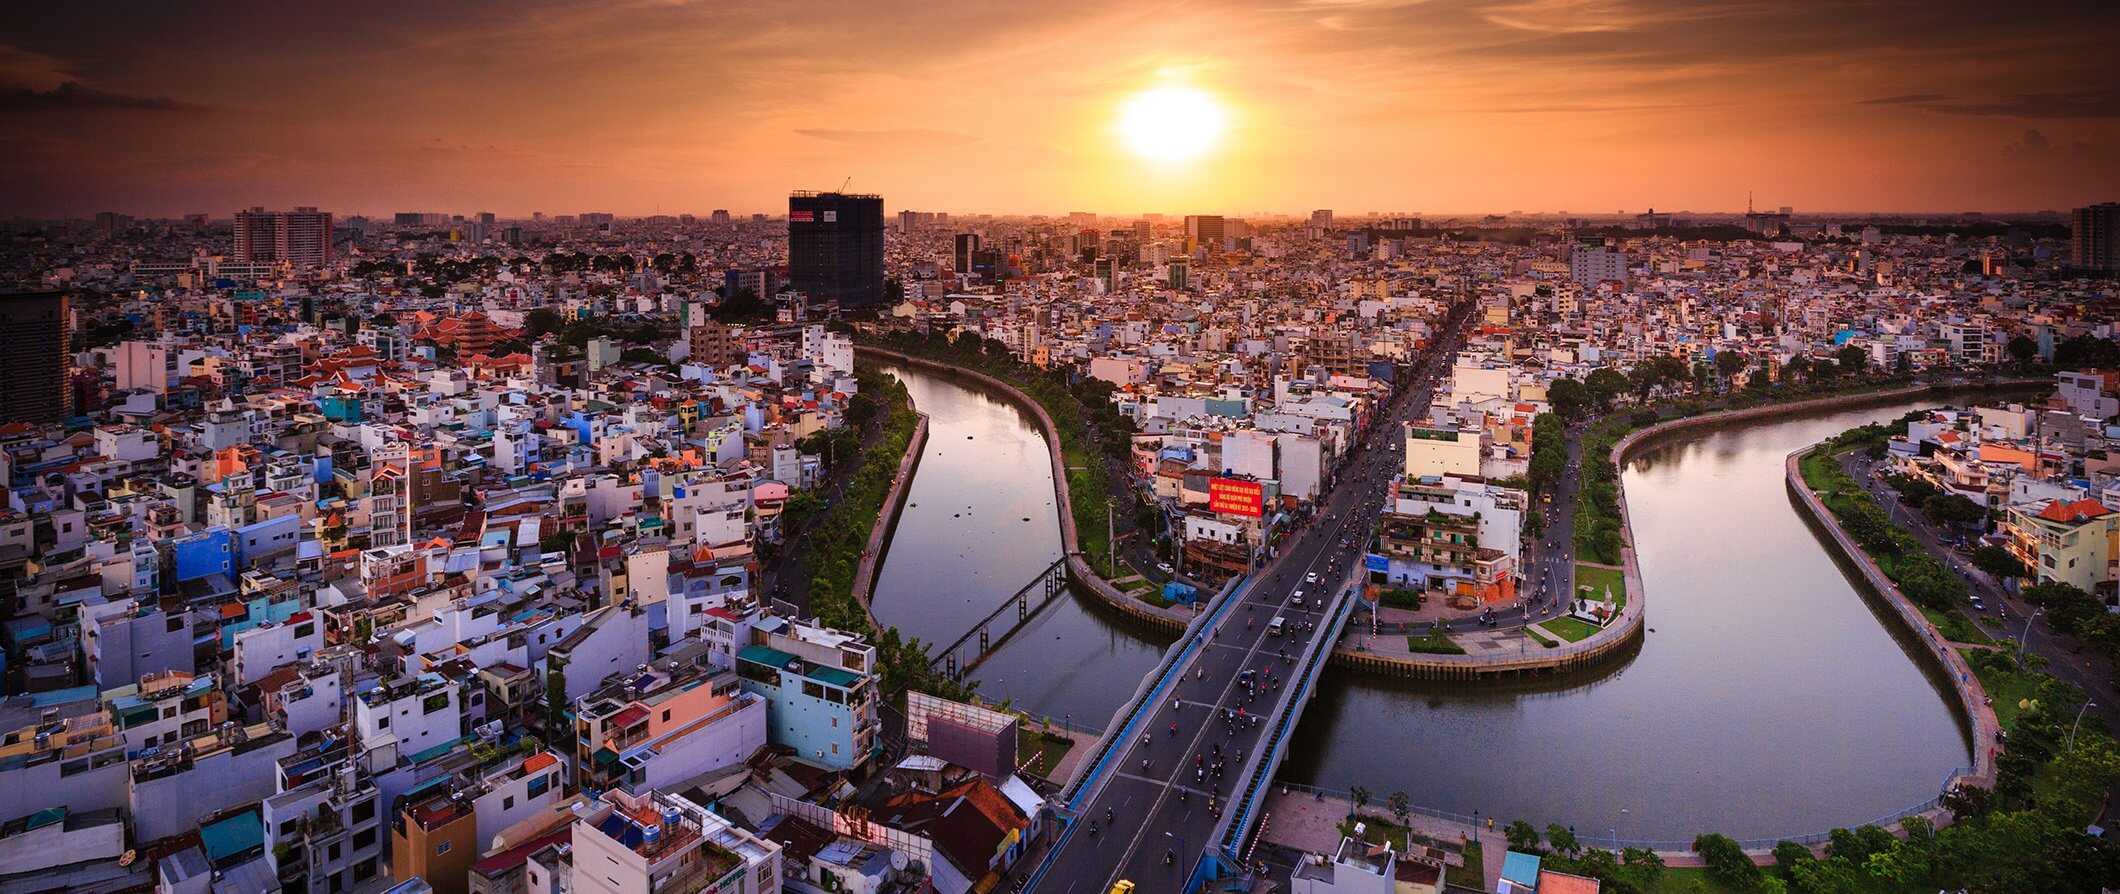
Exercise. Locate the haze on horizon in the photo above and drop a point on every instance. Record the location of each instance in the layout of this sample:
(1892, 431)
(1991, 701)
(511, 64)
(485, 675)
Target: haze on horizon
(1589, 106)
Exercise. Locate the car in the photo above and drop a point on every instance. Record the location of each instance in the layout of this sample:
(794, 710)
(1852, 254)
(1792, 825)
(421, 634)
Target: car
(1163, 567)
(1310, 578)
(1298, 597)
(1979, 605)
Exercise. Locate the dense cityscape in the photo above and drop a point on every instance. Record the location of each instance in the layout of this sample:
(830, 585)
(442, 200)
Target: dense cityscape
(837, 511)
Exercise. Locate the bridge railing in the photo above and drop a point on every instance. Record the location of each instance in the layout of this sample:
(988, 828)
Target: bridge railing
(1152, 685)
(1610, 842)
(1270, 752)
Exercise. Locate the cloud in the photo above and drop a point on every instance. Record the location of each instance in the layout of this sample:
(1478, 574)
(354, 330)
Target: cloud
(2099, 103)
(73, 95)
(903, 138)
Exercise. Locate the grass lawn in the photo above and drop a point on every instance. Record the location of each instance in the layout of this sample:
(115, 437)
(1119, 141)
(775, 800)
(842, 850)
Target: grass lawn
(1049, 749)
(1434, 644)
(1540, 638)
(1956, 627)
(1600, 579)
(1473, 874)
(1574, 630)
(1689, 880)
(2007, 688)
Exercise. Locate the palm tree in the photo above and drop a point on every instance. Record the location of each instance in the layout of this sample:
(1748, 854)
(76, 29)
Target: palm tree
(1360, 796)
(1400, 804)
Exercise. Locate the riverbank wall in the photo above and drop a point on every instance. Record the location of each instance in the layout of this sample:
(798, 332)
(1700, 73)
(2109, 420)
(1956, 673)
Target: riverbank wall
(1972, 698)
(887, 519)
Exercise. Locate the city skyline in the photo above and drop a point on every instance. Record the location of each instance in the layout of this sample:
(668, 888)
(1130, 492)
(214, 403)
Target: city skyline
(1438, 107)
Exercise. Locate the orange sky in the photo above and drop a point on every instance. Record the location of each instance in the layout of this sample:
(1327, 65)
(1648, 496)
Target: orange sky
(1358, 105)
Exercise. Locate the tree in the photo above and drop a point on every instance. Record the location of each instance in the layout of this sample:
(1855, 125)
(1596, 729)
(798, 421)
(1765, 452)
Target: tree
(2022, 348)
(1605, 384)
(2086, 351)
(1401, 804)
(1360, 796)
(541, 321)
(1523, 838)
(1569, 398)
(1727, 363)
(1999, 561)
(1798, 368)
(1852, 359)
(1563, 840)
(1787, 854)
(1953, 510)
(1726, 860)
(1857, 844)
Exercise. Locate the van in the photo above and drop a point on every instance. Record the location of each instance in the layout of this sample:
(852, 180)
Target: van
(1274, 627)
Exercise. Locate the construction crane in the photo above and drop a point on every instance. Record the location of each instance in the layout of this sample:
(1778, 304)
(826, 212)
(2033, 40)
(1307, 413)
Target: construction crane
(843, 184)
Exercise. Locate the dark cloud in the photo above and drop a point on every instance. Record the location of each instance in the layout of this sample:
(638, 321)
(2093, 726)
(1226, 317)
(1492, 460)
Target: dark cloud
(2102, 103)
(908, 137)
(1904, 99)
(73, 95)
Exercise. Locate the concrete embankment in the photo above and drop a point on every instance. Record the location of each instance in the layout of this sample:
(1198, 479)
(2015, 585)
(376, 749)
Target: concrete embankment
(1972, 697)
(887, 518)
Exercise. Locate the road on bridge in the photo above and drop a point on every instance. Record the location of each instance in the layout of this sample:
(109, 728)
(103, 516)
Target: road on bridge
(1158, 805)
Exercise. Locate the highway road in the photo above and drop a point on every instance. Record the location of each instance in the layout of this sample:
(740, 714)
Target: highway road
(1158, 805)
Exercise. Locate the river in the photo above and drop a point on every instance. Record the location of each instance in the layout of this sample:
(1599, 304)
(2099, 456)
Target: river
(979, 523)
(1769, 698)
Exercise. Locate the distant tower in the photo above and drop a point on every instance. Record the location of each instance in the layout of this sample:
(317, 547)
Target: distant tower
(835, 247)
(2095, 236)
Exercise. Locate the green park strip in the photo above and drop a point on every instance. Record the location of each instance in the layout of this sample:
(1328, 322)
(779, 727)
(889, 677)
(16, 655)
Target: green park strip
(1574, 630)
(1434, 644)
(1601, 580)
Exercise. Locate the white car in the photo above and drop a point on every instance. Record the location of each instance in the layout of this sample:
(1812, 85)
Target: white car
(1310, 578)
(1298, 597)
(1163, 567)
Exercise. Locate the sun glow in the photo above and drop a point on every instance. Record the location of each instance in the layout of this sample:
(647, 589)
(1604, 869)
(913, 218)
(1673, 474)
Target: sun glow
(1170, 123)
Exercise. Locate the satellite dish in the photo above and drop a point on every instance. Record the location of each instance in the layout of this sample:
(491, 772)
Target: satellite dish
(899, 860)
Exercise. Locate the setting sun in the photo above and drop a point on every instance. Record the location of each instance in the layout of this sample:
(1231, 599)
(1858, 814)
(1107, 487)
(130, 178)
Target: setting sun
(1171, 123)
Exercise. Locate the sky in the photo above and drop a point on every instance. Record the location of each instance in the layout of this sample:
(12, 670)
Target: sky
(1415, 106)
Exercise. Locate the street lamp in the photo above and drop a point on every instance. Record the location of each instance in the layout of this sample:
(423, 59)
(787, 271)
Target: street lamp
(2087, 704)
(1183, 876)
(2026, 634)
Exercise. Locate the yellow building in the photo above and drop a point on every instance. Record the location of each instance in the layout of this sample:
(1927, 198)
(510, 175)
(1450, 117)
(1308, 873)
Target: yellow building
(1441, 451)
(2071, 542)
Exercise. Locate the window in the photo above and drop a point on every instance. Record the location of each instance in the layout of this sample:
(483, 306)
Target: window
(382, 721)
(666, 716)
(441, 848)
(364, 811)
(508, 803)
(363, 839)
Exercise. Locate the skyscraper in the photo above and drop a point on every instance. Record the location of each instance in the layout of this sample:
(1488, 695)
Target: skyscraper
(1204, 229)
(33, 327)
(835, 247)
(2095, 235)
(301, 237)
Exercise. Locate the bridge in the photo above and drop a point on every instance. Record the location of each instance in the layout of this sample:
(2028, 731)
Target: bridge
(963, 654)
(1171, 798)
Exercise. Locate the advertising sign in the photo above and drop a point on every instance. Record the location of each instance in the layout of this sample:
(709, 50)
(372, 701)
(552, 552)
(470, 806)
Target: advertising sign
(1233, 497)
(802, 217)
(1376, 563)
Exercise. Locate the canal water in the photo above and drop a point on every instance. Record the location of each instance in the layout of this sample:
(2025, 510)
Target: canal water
(979, 523)
(1769, 700)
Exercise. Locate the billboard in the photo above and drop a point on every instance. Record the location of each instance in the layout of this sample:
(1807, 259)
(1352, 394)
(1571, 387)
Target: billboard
(1231, 496)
